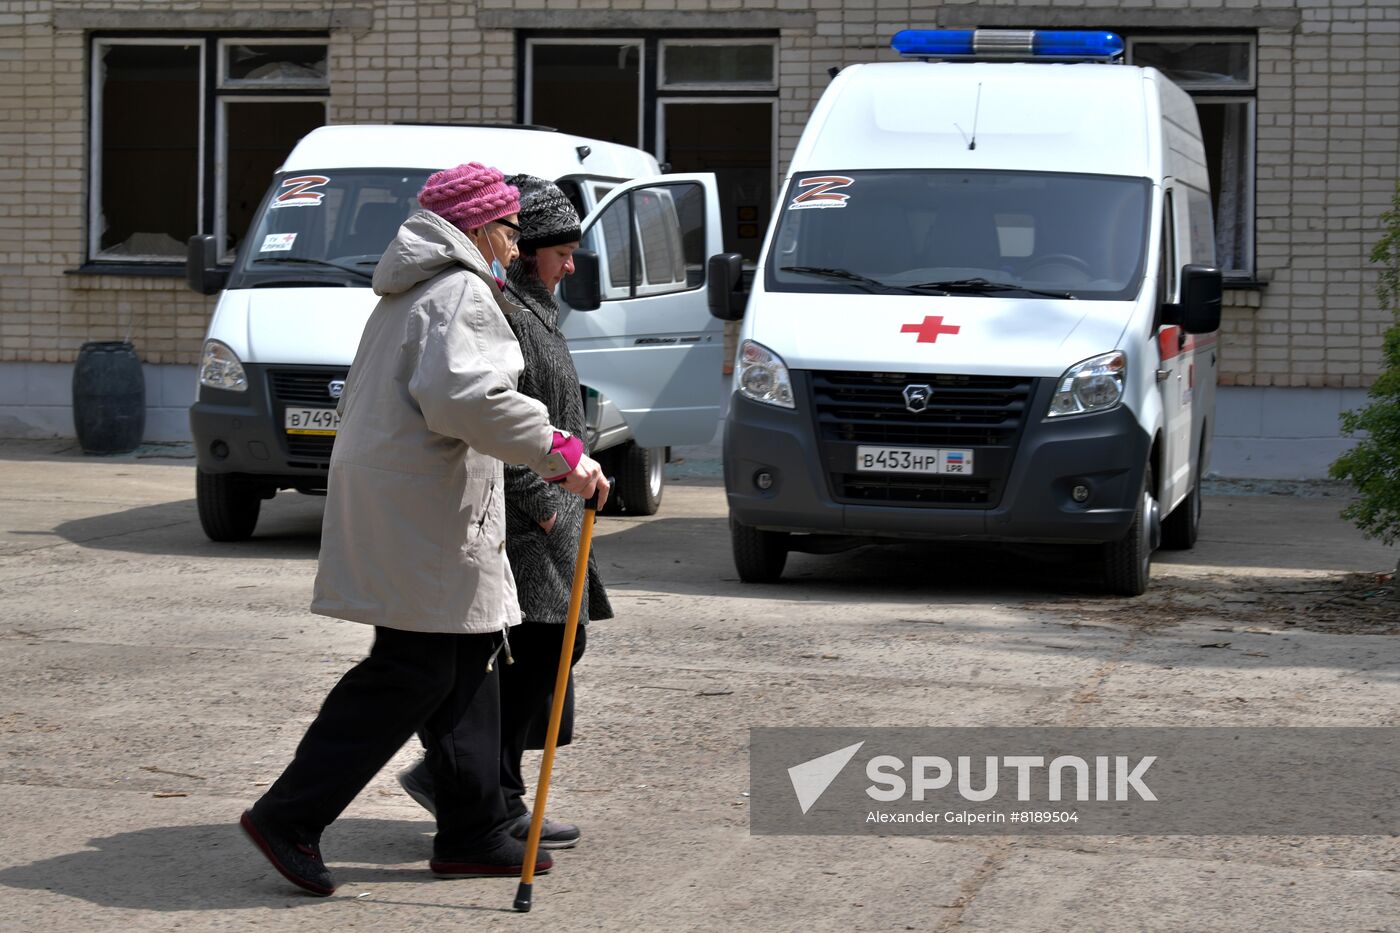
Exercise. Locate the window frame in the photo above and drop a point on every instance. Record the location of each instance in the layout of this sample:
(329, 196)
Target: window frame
(223, 83)
(220, 152)
(211, 190)
(97, 151)
(1251, 43)
(1246, 93)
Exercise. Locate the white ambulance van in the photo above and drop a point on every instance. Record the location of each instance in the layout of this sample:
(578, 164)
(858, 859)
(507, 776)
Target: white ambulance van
(985, 311)
(295, 299)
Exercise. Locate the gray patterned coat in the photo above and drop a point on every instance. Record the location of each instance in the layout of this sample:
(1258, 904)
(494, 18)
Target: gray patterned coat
(544, 563)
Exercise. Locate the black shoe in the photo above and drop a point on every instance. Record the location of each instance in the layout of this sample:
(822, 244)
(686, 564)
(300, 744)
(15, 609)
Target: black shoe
(298, 862)
(507, 858)
(553, 835)
(417, 782)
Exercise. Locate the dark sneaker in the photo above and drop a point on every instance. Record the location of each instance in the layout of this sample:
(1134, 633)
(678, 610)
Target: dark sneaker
(553, 835)
(417, 782)
(298, 862)
(507, 858)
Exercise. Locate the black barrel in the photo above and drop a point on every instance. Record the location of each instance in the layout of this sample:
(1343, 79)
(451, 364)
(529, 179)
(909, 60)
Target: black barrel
(109, 398)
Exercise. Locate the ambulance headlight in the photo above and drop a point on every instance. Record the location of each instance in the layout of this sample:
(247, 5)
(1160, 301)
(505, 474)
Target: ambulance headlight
(1093, 385)
(763, 376)
(219, 368)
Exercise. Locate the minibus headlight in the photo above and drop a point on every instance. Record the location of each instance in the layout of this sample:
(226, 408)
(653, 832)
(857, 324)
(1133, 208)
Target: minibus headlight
(1096, 384)
(763, 376)
(220, 368)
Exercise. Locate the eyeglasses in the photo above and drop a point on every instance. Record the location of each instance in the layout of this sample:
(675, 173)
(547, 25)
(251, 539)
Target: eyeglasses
(513, 236)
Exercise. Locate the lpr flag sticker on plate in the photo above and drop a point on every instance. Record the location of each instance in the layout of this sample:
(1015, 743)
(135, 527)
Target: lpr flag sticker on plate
(930, 329)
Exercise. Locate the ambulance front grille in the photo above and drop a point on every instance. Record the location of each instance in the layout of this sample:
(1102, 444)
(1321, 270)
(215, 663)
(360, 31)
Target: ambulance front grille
(984, 414)
(304, 387)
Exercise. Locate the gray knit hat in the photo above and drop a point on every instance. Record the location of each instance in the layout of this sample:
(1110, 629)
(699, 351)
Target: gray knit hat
(546, 216)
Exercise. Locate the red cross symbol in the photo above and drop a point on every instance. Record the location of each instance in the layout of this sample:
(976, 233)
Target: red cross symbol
(929, 330)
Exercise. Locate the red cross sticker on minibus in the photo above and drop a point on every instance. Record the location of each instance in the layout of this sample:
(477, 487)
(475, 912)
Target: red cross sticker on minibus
(930, 329)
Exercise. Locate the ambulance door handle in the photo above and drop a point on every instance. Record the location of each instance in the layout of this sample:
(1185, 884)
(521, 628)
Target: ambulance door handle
(1162, 375)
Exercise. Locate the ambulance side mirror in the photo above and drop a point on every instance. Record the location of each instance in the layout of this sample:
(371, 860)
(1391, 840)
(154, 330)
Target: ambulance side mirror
(725, 276)
(581, 290)
(1201, 291)
(202, 270)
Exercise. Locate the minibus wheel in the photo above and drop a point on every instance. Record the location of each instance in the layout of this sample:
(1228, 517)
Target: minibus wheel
(1128, 563)
(228, 505)
(759, 556)
(641, 477)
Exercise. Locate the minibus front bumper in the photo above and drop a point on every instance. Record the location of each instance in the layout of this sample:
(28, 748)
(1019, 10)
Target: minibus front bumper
(245, 432)
(1029, 497)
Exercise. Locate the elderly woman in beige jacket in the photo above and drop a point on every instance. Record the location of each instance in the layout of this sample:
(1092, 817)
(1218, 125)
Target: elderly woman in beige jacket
(413, 540)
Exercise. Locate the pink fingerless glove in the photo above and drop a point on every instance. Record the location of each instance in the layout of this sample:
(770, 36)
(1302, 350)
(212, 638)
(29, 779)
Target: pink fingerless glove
(562, 457)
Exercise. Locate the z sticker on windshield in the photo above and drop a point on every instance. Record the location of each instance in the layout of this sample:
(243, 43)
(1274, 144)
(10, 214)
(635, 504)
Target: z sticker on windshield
(819, 192)
(277, 242)
(296, 192)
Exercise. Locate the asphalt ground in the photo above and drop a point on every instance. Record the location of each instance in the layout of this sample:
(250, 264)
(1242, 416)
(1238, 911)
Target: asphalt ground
(153, 682)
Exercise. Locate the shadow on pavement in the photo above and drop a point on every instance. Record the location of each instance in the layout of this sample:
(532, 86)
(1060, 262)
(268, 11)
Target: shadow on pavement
(213, 867)
(289, 526)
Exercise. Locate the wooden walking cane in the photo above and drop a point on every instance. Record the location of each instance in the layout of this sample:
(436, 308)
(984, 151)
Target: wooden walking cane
(524, 892)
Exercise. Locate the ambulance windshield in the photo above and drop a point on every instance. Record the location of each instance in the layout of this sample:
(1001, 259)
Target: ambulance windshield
(1022, 233)
(326, 228)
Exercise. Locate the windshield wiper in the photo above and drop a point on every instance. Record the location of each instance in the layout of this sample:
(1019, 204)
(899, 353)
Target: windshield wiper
(982, 286)
(850, 276)
(368, 277)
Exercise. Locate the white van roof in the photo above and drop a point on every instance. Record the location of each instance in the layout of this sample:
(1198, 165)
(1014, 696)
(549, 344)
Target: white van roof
(513, 150)
(1089, 118)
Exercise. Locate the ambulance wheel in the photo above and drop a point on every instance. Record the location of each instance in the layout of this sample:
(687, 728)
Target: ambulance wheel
(1127, 563)
(759, 556)
(1181, 528)
(228, 506)
(641, 477)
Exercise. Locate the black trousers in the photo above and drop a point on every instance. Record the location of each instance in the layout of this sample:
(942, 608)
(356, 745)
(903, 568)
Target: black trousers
(527, 693)
(436, 684)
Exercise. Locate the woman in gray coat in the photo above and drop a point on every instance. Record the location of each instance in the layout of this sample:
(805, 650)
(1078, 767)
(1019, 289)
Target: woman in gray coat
(413, 540)
(543, 524)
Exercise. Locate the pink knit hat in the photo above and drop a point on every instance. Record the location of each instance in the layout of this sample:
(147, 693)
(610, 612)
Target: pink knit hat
(470, 195)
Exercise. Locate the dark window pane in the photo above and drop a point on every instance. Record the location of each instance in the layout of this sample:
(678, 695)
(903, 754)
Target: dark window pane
(718, 64)
(591, 90)
(1197, 64)
(1225, 130)
(150, 150)
(260, 134)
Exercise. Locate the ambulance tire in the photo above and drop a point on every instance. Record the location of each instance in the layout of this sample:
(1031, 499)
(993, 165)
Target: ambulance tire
(228, 505)
(640, 473)
(1127, 563)
(759, 556)
(1181, 528)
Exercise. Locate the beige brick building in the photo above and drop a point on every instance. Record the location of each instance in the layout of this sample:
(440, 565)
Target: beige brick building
(126, 127)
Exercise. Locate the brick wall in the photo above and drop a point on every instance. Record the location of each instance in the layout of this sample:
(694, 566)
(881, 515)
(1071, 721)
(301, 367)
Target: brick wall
(1328, 142)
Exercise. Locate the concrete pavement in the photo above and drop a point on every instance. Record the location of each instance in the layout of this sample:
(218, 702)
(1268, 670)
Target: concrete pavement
(152, 682)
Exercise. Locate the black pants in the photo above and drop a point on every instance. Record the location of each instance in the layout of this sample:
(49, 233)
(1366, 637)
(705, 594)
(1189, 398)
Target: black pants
(527, 692)
(436, 684)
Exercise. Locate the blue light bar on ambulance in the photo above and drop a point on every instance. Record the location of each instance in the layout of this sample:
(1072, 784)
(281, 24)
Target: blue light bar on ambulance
(1008, 43)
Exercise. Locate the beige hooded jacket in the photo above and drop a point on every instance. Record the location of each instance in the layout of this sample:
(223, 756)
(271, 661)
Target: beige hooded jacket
(414, 531)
